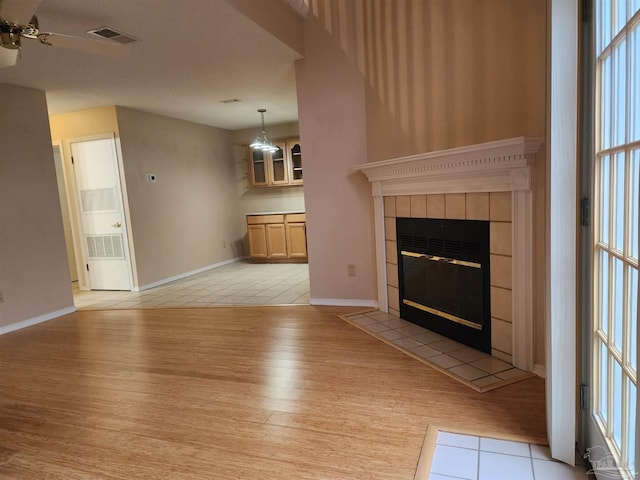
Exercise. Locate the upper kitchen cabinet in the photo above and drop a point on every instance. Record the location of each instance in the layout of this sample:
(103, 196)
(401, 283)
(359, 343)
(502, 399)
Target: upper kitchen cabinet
(280, 168)
(279, 165)
(294, 152)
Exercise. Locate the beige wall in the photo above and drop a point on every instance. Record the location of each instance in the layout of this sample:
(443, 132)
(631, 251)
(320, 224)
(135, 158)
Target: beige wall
(434, 74)
(34, 276)
(276, 18)
(84, 123)
(262, 199)
(333, 124)
(443, 73)
(188, 219)
(447, 73)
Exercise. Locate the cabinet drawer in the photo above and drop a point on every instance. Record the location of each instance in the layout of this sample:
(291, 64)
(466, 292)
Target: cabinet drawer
(258, 219)
(296, 218)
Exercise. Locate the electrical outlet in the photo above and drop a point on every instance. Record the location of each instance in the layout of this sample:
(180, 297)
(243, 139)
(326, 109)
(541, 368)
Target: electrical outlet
(351, 270)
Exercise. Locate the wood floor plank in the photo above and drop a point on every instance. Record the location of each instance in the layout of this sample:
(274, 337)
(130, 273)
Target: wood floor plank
(225, 393)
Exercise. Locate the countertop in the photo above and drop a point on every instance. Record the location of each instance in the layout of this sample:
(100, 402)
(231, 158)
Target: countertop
(275, 213)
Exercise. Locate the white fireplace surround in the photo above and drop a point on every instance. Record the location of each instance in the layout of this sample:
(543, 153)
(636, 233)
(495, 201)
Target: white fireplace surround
(500, 166)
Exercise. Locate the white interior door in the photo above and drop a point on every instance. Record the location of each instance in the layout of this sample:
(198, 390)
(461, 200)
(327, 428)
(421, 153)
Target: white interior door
(100, 209)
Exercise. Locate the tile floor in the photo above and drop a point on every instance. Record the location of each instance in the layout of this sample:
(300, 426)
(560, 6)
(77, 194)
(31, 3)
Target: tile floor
(477, 369)
(466, 457)
(239, 283)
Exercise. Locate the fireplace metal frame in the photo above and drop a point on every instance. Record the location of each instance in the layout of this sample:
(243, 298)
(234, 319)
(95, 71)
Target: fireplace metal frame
(451, 238)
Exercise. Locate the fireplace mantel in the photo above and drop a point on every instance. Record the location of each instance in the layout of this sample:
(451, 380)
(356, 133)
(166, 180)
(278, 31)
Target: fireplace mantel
(500, 166)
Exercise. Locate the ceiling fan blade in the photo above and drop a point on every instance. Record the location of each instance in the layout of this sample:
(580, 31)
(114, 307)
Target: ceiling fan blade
(18, 12)
(83, 44)
(8, 57)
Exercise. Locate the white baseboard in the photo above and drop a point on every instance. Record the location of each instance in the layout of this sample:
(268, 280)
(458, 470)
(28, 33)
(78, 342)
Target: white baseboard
(164, 281)
(344, 302)
(540, 370)
(35, 320)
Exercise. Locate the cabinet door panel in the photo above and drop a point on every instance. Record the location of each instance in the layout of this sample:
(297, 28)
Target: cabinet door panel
(258, 166)
(276, 241)
(279, 166)
(257, 241)
(297, 240)
(294, 151)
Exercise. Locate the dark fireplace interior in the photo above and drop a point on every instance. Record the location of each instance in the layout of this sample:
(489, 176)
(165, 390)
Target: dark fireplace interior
(444, 277)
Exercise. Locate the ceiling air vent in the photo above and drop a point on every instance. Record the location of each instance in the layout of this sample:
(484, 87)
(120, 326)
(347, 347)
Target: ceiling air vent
(113, 35)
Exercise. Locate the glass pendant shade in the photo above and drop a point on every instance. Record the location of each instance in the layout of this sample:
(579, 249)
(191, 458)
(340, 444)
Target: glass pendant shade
(261, 142)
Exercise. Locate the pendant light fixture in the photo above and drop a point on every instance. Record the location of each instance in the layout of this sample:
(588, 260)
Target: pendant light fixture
(261, 142)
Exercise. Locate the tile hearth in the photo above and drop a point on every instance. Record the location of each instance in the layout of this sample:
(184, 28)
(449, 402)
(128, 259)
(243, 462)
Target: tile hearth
(476, 369)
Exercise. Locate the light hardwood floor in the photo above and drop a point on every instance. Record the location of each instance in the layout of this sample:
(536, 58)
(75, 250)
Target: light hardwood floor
(231, 393)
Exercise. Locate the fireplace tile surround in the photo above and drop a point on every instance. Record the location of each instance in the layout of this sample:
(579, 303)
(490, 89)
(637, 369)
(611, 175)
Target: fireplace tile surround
(492, 207)
(489, 181)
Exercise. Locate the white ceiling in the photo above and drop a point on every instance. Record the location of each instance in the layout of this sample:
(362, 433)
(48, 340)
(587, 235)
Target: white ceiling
(191, 55)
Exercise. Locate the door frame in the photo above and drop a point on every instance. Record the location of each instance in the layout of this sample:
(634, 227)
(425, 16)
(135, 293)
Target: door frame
(561, 230)
(586, 154)
(80, 250)
(67, 211)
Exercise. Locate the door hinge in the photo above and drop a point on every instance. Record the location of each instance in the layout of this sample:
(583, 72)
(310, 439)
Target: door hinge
(584, 397)
(585, 211)
(73, 162)
(87, 267)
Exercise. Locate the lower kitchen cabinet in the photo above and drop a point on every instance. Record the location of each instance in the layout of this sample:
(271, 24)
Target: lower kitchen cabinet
(257, 241)
(277, 237)
(297, 240)
(276, 240)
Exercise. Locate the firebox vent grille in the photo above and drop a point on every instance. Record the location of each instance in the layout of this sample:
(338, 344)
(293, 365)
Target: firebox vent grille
(441, 247)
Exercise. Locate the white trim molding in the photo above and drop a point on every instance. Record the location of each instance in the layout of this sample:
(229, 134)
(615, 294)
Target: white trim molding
(540, 370)
(500, 166)
(35, 320)
(344, 302)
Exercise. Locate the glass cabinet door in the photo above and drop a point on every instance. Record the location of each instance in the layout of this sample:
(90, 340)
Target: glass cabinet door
(295, 152)
(258, 167)
(279, 167)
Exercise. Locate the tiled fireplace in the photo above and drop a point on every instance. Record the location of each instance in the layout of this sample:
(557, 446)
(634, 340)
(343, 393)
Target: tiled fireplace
(494, 207)
(489, 182)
